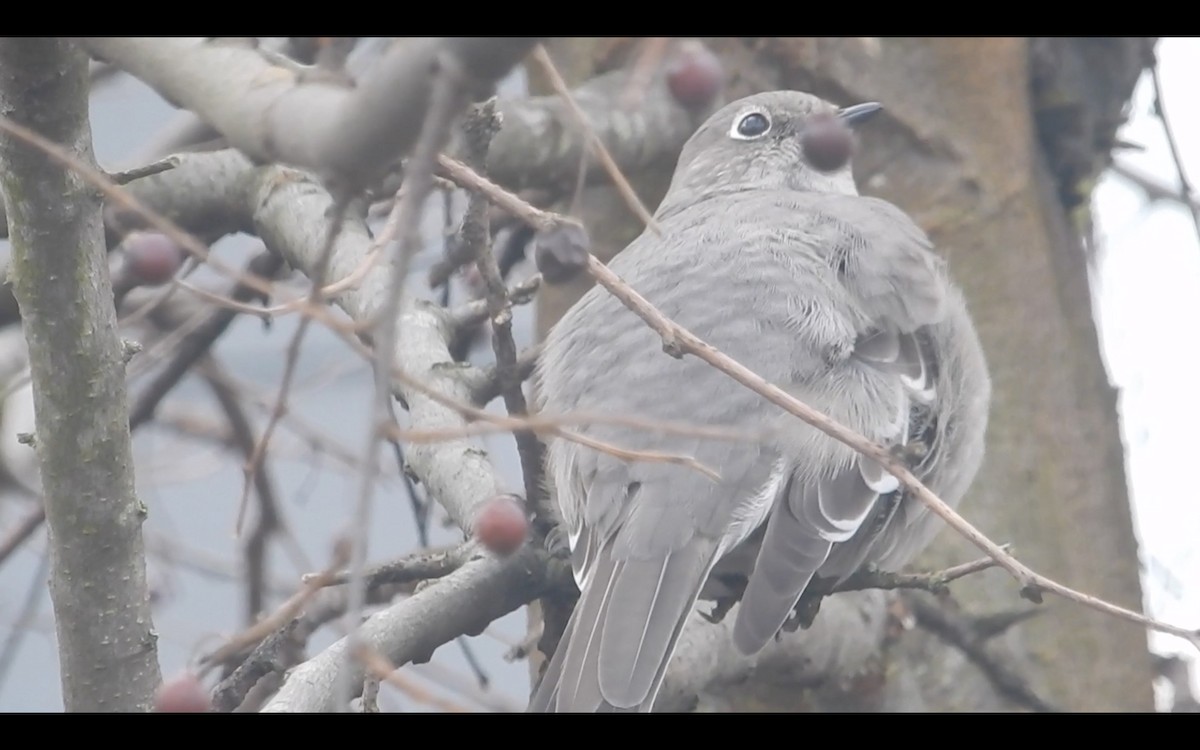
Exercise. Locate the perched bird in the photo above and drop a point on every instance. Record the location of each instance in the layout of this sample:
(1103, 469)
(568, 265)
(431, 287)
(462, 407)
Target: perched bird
(767, 252)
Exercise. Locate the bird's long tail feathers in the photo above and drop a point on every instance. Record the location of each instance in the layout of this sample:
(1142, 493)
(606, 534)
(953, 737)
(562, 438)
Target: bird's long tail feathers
(789, 556)
(614, 651)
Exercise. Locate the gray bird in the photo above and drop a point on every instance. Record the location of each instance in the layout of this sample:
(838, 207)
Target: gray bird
(767, 252)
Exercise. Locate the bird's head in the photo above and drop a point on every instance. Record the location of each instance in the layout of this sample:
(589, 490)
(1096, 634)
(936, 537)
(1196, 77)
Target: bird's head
(778, 140)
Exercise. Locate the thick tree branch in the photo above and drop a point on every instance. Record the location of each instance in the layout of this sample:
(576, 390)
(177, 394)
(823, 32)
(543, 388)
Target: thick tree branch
(542, 146)
(109, 661)
(411, 630)
(964, 637)
(273, 114)
(456, 473)
(288, 211)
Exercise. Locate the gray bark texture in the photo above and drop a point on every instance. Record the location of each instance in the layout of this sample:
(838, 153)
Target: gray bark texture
(61, 282)
(992, 146)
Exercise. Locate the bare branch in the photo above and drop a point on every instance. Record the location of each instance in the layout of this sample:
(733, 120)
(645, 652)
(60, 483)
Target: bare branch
(541, 144)
(137, 173)
(317, 274)
(1155, 188)
(678, 341)
(488, 386)
(1185, 187)
(628, 194)
(274, 114)
(448, 86)
(198, 342)
(20, 626)
(958, 633)
(936, 583)
(277, 619)
(456, 473)
(269, 520)
(473, 313)
(421, 566)
(22, 530)
(380, 668)
(411, 630)
(278, 652)
(480, 127)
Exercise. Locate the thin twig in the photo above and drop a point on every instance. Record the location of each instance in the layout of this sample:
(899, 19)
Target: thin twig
(936, 583)
(480, 127)
(420, 508)
(641, 73)
(277, 652)
(542, 58)
(292, 358)
(194, 345)
(421, 566)
(443, 103)
(549, 423)
(470, 314)
(269, 521)
(513, 424)
(24, 529)
(33, 595)
(488, 387)
(1185, 187)
(272, 622)
(127, 176)
(126, 200)
(315, 437)
(1155, 188)
(468, 179)
(678, 341)
(960, 635)
(470, 689)
(370, 695)
(382, 668)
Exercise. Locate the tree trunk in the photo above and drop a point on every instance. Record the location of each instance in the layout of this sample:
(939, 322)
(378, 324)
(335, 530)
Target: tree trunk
(989, 144)
(109, 661)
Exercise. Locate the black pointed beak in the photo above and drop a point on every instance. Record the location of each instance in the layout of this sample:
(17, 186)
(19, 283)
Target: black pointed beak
(859, 113)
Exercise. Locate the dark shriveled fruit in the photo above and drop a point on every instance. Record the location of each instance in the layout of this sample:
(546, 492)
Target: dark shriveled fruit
(561, 251)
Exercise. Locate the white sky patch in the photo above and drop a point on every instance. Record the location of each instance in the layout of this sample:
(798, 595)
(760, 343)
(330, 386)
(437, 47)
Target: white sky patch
(1147, 293)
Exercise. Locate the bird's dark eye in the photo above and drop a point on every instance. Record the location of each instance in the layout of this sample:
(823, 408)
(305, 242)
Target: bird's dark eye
(751, 125)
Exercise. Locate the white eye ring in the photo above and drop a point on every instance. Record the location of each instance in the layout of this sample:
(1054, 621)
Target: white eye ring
(744, 127)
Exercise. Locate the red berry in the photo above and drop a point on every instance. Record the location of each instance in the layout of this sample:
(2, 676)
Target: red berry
(151, 258)
(695, 76)
(501, 525)
(827, 142)
(182, 694)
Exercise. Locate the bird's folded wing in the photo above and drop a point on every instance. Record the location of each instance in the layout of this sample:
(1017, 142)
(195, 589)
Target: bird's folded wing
(824, 506)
